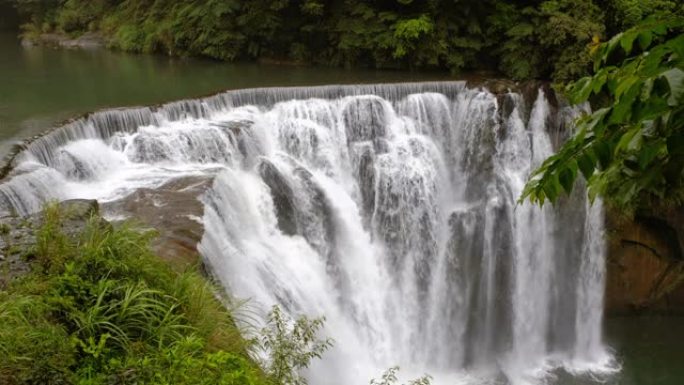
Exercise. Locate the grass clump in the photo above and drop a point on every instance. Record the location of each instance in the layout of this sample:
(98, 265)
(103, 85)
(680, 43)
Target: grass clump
(100, 308)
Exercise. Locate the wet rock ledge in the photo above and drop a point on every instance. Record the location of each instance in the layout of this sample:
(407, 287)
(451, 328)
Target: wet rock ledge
(173, 210)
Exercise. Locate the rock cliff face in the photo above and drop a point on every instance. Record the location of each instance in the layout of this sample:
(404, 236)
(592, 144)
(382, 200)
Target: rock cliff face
(645, 264)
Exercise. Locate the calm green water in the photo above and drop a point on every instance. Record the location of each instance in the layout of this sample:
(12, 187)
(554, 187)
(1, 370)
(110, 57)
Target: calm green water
(39, 87)
(651, 349)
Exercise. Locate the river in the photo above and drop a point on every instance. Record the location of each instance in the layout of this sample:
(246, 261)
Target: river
(39, 87)
(42, 86)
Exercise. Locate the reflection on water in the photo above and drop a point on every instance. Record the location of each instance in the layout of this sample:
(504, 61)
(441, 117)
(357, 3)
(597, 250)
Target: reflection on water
(651, 349)
(41, 86)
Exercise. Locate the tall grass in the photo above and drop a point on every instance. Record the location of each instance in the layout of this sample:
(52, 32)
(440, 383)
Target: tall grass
(100, 308)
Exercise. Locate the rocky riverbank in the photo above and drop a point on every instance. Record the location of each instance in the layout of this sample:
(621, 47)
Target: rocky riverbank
(89, 40)
(18, 236)
(172, 210)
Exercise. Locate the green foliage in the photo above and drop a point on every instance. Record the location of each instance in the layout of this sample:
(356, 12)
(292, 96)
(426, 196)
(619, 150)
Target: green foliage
(527, 39)
(52, 245)
(408, 32)
(389, 377)
(551, 38)
(631, 150)
(291, 346)
(32, 349)
(186, 362)
(624, 14)
(100, 308)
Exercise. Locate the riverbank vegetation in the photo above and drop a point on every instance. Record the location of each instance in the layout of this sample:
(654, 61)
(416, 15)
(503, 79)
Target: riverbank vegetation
(521, 40)
(631, 148)
(100, 308)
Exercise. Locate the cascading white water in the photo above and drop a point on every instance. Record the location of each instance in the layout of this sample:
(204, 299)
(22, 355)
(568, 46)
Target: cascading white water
(391, 210)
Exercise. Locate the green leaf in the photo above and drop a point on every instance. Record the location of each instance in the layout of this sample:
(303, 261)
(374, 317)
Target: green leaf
(625, 84)
(675, 144)
(645, 39)
(587, 165)
(567, 177)
(580, 91)
(607, 50)
(627, 41)
(603, 153)
(646, 90)
(627, 140)
(622, 110)
(551, 188)
(520, 30)
(648, 153)
(599, 80)
(675, 79)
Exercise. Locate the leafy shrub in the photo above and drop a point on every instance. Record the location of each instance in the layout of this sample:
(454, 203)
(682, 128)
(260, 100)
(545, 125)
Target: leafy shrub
(291, 346)
(389, 377)
(100, 308)
(32, 349)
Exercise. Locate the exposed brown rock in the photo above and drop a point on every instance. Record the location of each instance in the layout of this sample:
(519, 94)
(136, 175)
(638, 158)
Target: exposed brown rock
(174, 211)
(645, 266)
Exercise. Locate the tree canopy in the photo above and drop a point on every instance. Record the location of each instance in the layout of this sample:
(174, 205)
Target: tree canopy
(631, 148)
(522, 39)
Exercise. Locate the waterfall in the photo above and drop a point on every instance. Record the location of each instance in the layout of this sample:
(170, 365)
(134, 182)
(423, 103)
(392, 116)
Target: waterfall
(389, 209)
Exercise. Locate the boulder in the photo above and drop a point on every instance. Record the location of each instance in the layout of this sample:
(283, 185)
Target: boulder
(174, 210)
(283, 196)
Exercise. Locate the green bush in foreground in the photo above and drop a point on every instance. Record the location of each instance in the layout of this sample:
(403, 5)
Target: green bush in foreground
(100, 308)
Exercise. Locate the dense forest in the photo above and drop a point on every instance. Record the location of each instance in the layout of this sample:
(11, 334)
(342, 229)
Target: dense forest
(522, 40)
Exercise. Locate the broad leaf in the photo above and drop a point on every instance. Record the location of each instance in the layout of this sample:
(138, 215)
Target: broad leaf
(675, 79)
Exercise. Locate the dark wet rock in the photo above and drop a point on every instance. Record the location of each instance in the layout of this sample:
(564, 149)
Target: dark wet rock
(236, 127)
(173, 210)
(381, 146)
(314, 214)
(80, 209)
(508, 104)
(366, 178)
(283, 197)
(500, 86)
(149, 149)
(365, 119)
(76, 169)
